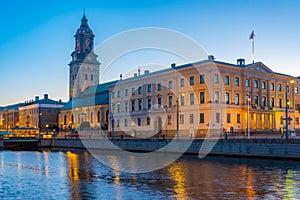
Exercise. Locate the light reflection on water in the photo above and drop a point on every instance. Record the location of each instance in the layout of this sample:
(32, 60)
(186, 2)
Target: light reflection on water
(71, 175)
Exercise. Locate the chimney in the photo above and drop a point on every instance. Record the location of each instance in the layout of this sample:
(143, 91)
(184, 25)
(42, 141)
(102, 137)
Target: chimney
(146, 72)
(45, 96)
(173, 65)
(37, 98)
(135, 75)
(240, 62)
(211, 58)
(59, 100)
(121, 76)
(139, 72)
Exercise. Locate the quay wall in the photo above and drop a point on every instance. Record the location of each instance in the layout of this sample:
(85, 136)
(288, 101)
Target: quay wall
(272, 148)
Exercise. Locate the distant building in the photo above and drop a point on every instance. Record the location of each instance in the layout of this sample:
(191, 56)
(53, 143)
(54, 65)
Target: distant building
(41, 114)
(10, 116)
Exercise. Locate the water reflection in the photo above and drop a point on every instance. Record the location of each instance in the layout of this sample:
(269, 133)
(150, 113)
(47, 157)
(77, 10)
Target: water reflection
(74, 175)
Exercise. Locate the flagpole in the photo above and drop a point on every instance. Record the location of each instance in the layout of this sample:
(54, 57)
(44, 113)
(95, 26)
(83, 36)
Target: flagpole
(253, 48)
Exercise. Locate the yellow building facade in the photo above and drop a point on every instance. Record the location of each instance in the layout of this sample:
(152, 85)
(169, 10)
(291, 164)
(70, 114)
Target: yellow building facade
(204, 97)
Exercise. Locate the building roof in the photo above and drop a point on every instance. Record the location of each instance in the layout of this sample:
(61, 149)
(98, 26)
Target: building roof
(93, 95)
(97, 99)
(13, 107)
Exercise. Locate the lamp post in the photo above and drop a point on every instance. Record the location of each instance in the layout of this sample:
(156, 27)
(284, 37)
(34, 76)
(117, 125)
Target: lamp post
(286, 110)
(177, 119)
(248, 121)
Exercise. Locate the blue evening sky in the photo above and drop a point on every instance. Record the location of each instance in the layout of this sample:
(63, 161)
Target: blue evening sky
(36, 37)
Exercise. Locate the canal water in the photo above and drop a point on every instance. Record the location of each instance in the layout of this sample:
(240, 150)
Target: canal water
(77, 175)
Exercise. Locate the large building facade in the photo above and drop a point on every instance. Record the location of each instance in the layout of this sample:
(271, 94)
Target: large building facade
(204, 97)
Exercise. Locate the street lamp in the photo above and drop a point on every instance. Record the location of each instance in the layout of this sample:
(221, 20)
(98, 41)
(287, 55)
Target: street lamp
(177, 119)
(286, 110)
(248, 120)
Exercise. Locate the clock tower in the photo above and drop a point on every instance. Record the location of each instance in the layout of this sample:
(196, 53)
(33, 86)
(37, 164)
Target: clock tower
(84, 67)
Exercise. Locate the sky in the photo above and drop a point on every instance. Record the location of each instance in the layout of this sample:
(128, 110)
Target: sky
(36, 37)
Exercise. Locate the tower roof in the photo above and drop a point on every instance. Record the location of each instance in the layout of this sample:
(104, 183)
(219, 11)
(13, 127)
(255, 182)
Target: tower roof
(84, 20)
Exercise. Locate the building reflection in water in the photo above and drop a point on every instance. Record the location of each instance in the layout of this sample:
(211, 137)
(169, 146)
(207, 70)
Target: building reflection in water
(291, 185)
(73, 174)
(177, 174)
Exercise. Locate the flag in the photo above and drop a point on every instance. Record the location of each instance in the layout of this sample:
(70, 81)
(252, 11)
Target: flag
(251, 37)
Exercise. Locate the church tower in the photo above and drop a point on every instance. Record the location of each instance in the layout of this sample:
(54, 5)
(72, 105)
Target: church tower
(84, 67)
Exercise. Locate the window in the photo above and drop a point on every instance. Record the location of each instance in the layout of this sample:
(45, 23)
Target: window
(169, 119)
(159, 87)
(216, 97)
(228, 118)
(192, 80)
(217, 117)
(287, 89)
(227, 98)
(139, 121)
(256, 100)
(296, 90)
(192, 99)
(216, 78)
(263, 85)
(133, 91)
(149, 102)
(201, 119)
(182, 100)
(118, 94)
(181, 118)
(264, 101)
(118, 123)
(280, 103)
(201, 78)
(256, 83)
(113, 106)
(140, 90)
(182, 82)
(226, 80)
(191, 118)
(238, 118)
(272, 86)
(118, 107)
(149, 88)
(170, 84)
(279, 88)
(86, 77)
(92, 77)
(159, 101)
(140, 104)
(148, 121)
(126, 92)
(237, 81)
(248, 99)
(272, 102)
(113, 95)
(237, 99)
(126, 106)
(202, 97)
(281, 120)
(297, 120)
(247, 83)
(125, 123)
(132, 121)
(132, 105)
(170, 101)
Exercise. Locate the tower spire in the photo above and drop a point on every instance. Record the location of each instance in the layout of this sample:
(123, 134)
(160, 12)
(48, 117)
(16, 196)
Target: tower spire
(84, 19)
